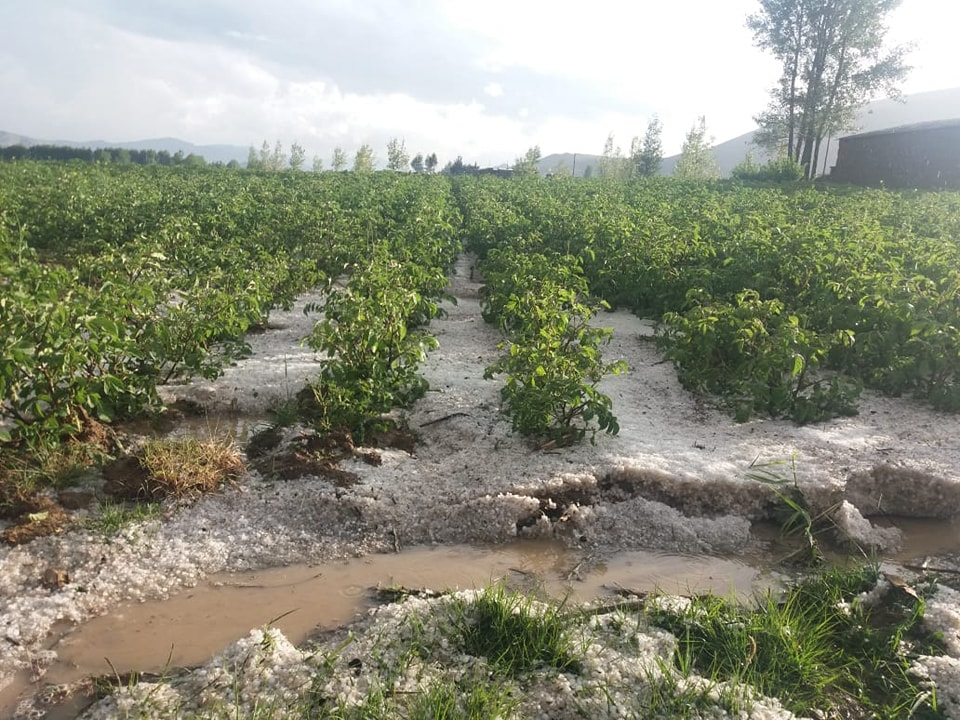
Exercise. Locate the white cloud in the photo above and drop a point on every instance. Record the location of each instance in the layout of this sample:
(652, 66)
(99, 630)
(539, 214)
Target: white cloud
(575, 73)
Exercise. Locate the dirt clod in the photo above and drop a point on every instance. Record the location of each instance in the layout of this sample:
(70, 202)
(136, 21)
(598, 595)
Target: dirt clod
(38, 516)
(55, 578)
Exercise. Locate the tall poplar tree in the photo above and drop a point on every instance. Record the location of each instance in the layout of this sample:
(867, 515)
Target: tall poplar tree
(397, 156)
(834, 62)
(364, 160)
(338, 162)
(647, 157)
(696, 161)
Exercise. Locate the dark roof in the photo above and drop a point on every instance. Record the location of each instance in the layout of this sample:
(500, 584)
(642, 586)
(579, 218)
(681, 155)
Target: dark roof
(915, 127)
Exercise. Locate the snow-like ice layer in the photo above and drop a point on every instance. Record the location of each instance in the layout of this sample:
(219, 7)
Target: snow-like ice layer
(677, 477)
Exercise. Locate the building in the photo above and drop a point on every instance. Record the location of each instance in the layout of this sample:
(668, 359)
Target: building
(925, 155)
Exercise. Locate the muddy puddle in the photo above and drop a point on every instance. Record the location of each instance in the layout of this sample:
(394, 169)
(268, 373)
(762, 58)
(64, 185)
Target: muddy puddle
(925, 538)
(188, 628)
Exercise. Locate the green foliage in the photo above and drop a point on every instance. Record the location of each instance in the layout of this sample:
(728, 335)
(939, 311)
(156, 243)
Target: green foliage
(116, 280)
(870, 275)
(647, 157)
(553, 361)
(781, 170)
(364, 161)
(114, 517)
(369, 332)
(756, 356)
(528, 165)
(696, 161)
(514, 632)
(816, 647)
(449, 700)
(833, 62)
(398, 159)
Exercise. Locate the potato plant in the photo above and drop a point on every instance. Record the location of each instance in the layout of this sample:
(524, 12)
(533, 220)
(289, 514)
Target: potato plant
(372, 333)
(870, 275)
(553, 361)
(758, 358)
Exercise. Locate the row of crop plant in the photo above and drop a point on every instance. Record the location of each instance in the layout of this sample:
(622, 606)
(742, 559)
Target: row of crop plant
(552, 355)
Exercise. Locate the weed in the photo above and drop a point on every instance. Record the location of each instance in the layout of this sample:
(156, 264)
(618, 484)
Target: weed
(24, 473)
(285, 411)
(798, 519)
(514, 632)
(114, 517)
(448, 700)
(188, 467)
(814, 647)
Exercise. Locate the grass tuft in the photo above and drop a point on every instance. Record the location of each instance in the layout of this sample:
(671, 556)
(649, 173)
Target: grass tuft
(188, 467)
(115, 516)
(514, 632)
(816, 647)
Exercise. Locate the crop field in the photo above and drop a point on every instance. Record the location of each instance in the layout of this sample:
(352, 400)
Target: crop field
(779, 302)
(769, 307)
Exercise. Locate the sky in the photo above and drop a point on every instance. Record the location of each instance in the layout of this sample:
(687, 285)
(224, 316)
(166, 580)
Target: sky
(482, 79)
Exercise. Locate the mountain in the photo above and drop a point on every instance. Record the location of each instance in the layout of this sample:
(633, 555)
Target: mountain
(877, 115)
(575, 162)
(210, 153)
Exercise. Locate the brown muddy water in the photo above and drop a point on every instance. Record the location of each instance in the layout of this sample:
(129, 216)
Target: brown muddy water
(301, 600)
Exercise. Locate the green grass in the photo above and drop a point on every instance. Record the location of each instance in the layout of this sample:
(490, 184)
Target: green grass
(113, 517)
(514, 632)
(22, 474)
(813, 647)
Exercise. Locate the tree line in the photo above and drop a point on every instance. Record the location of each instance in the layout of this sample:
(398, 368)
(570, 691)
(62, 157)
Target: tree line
(364, 160)
(116, 156)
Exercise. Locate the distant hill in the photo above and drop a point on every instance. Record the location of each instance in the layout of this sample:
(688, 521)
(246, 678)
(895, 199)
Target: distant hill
(577, 163)
(877, 115)
(210, 153)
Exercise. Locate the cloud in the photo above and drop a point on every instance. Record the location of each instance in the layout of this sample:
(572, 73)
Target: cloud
(485, 80)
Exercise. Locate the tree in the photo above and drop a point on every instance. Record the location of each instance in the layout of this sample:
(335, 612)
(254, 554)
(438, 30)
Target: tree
(833, 61)
(648, 156)
(297, 156)
(397, 156)
(263, 162)
(528, 165)
(612, 164)
(696, 160)
(339, 161)
(431, 163)
(458, 167)
(278, 158)
(364, 160)
(417, 163)
(317, 164)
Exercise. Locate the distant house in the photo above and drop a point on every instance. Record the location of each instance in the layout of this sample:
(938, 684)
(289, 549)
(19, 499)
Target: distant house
(925, 155)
